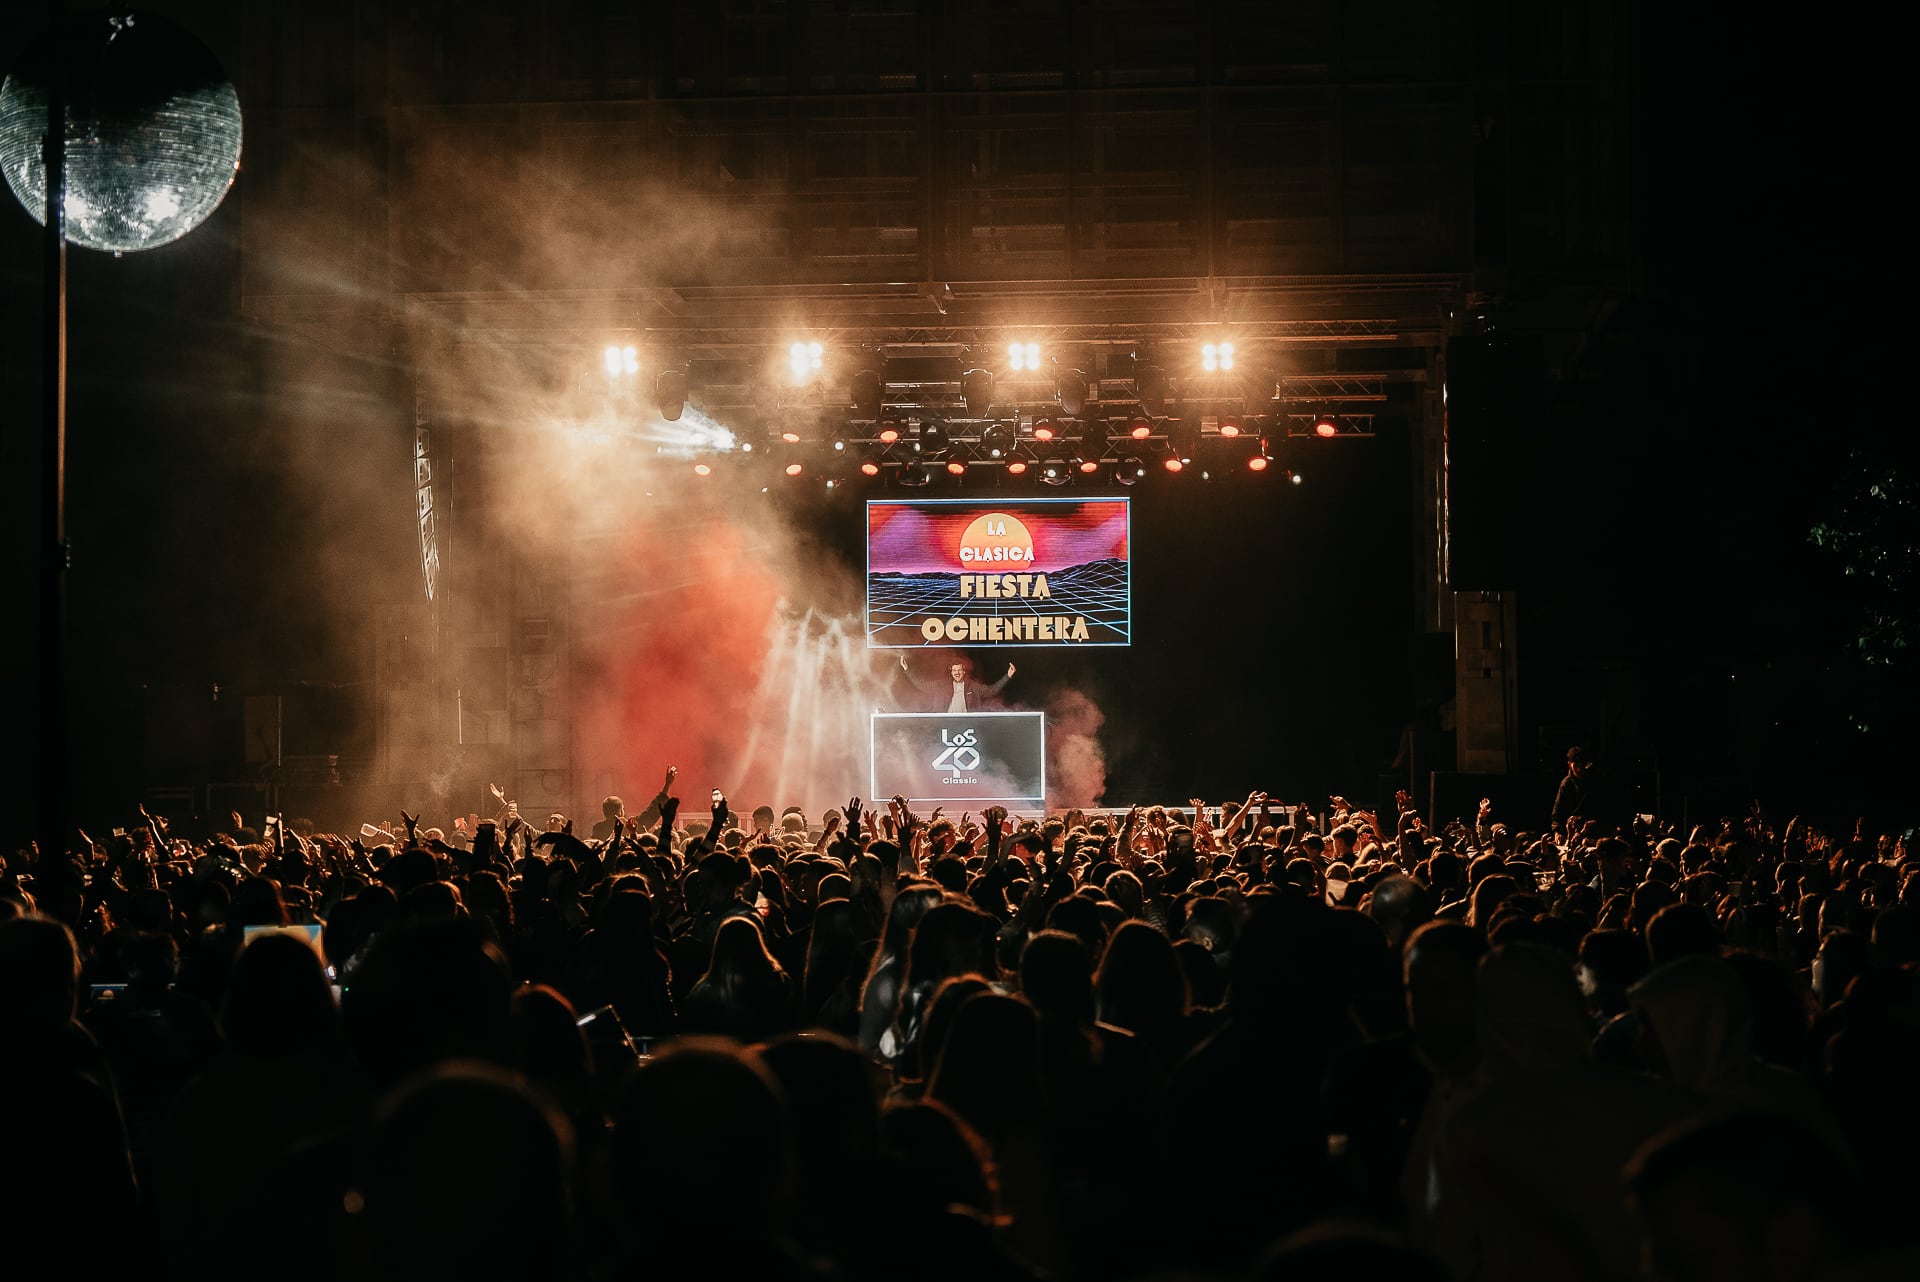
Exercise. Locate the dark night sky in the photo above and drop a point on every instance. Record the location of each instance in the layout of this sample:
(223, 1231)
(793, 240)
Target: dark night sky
(1667, 506)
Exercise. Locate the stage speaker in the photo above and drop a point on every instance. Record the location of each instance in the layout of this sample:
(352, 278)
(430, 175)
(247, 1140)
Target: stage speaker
(1499, 508)
(1486, 681)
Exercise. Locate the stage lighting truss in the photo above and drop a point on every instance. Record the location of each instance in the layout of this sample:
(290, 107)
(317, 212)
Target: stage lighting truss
(1215, 422)
(1328, 425)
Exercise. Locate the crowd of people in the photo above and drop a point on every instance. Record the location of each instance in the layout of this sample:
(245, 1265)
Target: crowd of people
(1193, 1042)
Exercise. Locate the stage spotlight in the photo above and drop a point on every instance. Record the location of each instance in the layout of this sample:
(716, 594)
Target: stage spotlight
(1088, 466)
(866, 394)
(1073, 393)
(1150, 384)
(996, 440)
(803, 361)
(1016, 466)
(933, 438)
(1230, 425)
(1172, 463)
(1140, 428)
(1257, 463)
(1045, 429)
(1325, 424)
(790, 436)
(1216, 356)
(1023, 356)
(1183, 438)
(889, 431)
(1129, 469)
(915, 474)
(1295, 477)
(1055, 472)
(794, 469)
(670, 393)
(976, 389)
(703, 469)
(956, 467)
(621, 361)
(869, 467)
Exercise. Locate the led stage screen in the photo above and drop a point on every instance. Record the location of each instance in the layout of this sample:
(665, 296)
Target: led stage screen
(977, 758)
(1019, 572)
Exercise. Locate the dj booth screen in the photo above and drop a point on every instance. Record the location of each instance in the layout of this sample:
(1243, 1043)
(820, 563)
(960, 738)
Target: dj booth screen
(977, 758)
(1022, 572)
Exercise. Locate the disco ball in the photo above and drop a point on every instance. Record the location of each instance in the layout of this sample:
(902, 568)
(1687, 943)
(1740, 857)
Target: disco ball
(153, 130)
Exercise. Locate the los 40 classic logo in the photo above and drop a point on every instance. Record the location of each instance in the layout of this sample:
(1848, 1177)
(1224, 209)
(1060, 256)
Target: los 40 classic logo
(958, 751)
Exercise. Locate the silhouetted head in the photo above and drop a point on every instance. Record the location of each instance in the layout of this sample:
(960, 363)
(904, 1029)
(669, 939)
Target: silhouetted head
(989, 1070)
(465, 1176)
(430, 991)
(39, 972)
(713, 1114)
(278, 999)
(1056, 976)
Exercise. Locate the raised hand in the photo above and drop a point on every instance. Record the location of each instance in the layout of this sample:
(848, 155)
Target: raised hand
(669, 808)
(853, 810)
(673, 772)
(499, 793)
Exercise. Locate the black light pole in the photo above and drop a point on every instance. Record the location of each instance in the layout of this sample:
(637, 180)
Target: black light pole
(53, 463)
